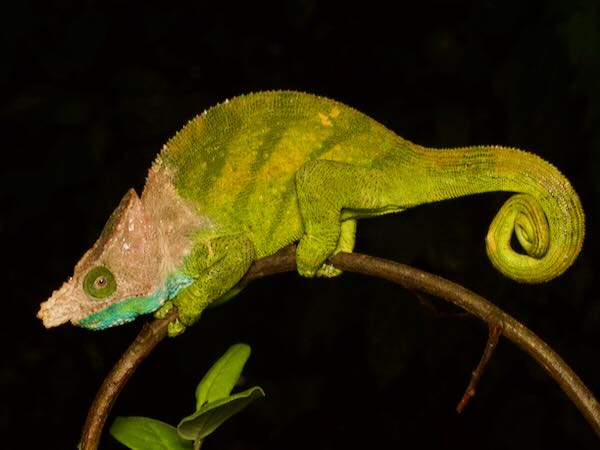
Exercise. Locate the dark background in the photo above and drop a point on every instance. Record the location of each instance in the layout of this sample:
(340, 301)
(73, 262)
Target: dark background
(89, 93)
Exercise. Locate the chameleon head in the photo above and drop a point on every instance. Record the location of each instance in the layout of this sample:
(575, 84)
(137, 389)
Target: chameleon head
(119, 269)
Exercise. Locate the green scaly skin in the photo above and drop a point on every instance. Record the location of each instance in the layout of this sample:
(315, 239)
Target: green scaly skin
(254, 174)
(273, 168)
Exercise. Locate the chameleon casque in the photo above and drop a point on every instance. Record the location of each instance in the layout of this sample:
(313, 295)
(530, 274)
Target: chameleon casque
(256, 173)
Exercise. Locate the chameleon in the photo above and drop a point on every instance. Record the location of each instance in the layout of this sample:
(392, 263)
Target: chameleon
(260, 171)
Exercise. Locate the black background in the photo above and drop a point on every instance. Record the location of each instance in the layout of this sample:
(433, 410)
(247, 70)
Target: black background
(90, 92)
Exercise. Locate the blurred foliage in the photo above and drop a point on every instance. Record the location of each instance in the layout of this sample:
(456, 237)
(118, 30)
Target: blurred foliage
(91, 90)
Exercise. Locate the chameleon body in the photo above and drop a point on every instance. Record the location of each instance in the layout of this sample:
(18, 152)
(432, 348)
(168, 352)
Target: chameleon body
(256, 173)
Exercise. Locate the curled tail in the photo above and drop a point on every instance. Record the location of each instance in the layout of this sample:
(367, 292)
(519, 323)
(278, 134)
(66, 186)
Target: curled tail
(549, 225)
(545, 213)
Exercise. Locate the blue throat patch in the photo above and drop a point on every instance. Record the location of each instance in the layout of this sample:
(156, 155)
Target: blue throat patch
(129, 308)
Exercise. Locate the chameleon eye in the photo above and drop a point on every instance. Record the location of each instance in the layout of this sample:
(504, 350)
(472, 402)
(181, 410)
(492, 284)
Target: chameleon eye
(99, 282)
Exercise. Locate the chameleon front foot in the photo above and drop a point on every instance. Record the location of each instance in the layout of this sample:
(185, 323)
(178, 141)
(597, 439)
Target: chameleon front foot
(164, 310)
(175, 328)
(184, 319)
(187, 313)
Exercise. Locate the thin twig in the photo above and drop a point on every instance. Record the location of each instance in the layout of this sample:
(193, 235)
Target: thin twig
(494, 332)
(405, 276)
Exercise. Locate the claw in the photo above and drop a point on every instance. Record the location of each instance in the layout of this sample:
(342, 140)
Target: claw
(175, 328)
(165, 309)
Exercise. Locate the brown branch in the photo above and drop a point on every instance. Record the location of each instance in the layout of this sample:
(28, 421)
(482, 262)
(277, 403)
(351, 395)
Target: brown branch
(409, 278)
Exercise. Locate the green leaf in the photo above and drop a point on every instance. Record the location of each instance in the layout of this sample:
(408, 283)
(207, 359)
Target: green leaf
(142, 433)
(208, 418)
(222, 376)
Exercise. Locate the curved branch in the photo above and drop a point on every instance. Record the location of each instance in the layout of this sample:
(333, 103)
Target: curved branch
(405, 276)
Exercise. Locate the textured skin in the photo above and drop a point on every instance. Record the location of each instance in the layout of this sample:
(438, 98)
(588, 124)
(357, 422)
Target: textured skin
(261, 171)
